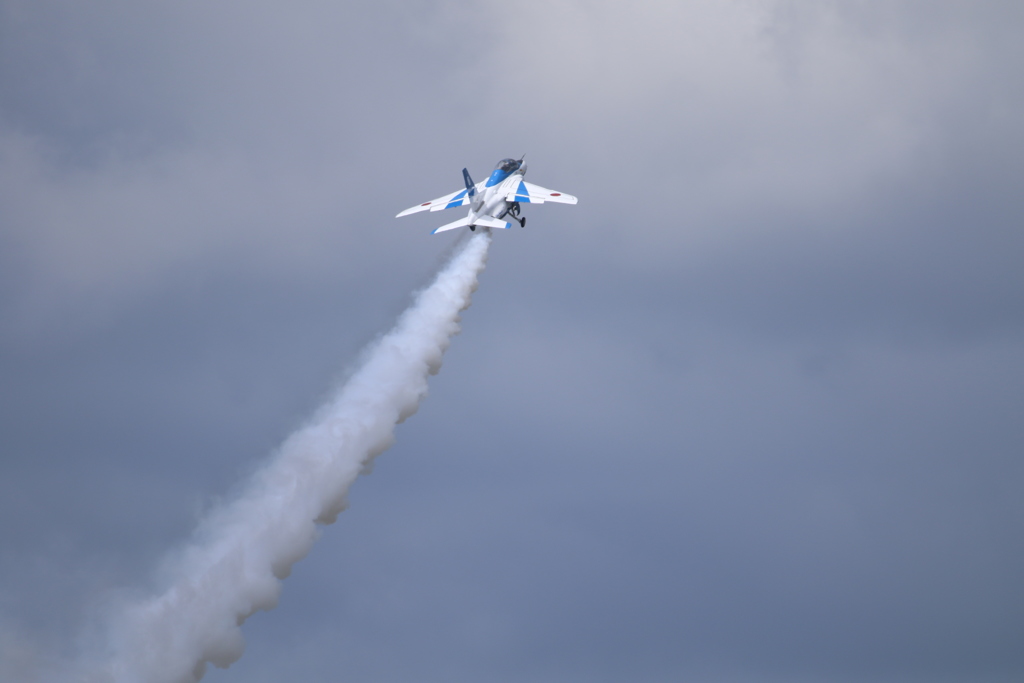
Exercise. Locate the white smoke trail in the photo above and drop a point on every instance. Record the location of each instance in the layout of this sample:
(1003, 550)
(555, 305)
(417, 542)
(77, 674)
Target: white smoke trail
(242, 551)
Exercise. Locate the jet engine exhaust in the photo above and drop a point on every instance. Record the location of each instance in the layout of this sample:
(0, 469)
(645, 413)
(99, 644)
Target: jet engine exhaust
(240, 553)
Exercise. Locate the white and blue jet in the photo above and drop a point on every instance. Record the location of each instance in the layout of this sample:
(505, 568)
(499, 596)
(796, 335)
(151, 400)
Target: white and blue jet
(492, 200)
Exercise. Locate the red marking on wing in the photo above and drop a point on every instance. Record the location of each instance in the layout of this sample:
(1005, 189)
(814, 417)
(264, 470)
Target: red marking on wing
(425, 204)
(556, 194)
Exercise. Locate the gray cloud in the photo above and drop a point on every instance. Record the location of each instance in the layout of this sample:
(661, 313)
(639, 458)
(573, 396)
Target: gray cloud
(749, 412)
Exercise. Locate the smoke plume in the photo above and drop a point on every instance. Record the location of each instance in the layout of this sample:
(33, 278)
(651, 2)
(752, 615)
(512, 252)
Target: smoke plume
(240, 553)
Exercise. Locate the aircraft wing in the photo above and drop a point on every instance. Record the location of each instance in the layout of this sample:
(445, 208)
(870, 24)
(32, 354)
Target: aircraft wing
(449, 201)
(528, 193)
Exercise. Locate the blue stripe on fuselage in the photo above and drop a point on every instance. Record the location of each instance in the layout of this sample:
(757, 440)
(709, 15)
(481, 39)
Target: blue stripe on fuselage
(496, 177)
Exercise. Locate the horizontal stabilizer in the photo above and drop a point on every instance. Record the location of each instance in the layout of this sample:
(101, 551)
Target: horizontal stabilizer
(481, 222)
(488, 222)
(461, 223)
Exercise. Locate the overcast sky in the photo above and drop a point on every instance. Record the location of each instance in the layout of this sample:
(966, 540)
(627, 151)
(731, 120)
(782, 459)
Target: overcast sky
(753, 411)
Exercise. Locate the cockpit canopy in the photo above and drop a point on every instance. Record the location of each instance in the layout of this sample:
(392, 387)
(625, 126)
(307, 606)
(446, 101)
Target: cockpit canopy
(507, 165)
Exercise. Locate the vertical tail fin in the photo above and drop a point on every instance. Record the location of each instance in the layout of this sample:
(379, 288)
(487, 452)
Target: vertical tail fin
(470, 187)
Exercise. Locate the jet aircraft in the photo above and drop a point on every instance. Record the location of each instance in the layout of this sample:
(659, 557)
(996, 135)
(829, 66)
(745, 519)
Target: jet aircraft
(493, 199)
